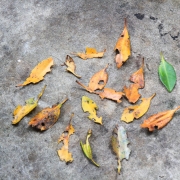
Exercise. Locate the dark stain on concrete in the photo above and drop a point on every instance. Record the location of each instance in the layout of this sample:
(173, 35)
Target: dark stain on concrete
(139, 16)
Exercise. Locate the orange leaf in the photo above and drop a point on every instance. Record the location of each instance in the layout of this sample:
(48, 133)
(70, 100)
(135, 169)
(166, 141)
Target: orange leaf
(47, 117)
(159, 120)
(71, 67)
(138, 76)
(132, 93)
(122, 48)
(90, 53)
(37, 74)
(111, 94)
(98, 81)
(63, 153)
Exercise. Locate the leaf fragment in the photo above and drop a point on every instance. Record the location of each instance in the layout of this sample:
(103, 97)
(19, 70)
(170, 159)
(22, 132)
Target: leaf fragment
(136, 111)
(111, 94)
(138, 76)
(167, 74)
(21, 111)
(159, 120)
(71, 67)
(47, 117)
(123, 48)
(37, 74)
(132, 93)
(86, 148)
(88, 105)
(119, 144)
(90, 53)
(97, 81)
(63, 153)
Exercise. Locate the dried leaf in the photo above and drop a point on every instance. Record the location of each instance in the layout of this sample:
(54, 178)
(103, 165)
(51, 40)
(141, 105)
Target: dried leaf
(136, 111)
(111, 94)
(90, 106)
(71, 67)
(37, 74)
(90, 53)
(87, 148)
(98, 81)
(159, 120)
(119, 144)
(63, 153)
(132, 93)
(138, 76)
(22, 111)
(167, 74)
(47, 117)
(122, 47)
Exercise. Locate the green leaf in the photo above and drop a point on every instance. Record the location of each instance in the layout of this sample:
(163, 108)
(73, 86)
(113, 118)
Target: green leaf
(87, 148)
(167, 74)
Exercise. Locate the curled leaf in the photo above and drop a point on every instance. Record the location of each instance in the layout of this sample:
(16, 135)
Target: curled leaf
(22, 111)
(111, 94)
(167, 74)
(90, 53)
(90, 106)
(47, 117)
(63, 153)
(98, 81)
(138, 76)
(119, 144)
(136, 111)
(132, 93)
(87, 148)
(37, 74)
(71, 67)
(122, 48)
(159, 120)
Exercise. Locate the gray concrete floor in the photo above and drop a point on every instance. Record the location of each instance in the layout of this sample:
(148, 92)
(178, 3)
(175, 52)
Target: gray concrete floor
(31, 31)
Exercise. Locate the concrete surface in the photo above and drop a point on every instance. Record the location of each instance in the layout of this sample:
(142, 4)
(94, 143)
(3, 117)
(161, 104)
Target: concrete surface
(31, 31)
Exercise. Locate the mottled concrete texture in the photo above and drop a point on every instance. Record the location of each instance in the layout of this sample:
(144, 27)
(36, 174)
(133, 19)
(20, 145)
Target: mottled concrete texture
(31, 31)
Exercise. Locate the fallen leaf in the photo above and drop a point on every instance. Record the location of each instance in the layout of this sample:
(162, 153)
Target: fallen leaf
(87, 148)
(71, 67)
(159, 120)
(37, 74)
(136, 111)
(63, 153)
(122, 48)
(21, 111)
(90, 106)
(111, 94)
(98, 81)
(132, 93)
(167, 74)
(138, 76)
(47, 117)
(90, 53)
(119, 144)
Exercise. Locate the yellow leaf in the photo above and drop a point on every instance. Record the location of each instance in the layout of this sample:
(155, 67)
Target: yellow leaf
(37, 74)
(63, 153)
(21, 111)
(122, 47)
(136, 111)
(90, 53)
(90, 106)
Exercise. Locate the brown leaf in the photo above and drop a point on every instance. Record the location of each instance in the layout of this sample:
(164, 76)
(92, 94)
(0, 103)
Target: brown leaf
(98, 81)
(71, 67)
(111, 94)
(47, 117)
(37, 74)
(132, 93)
(159, 120)
(138, 76)
(122, 48)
